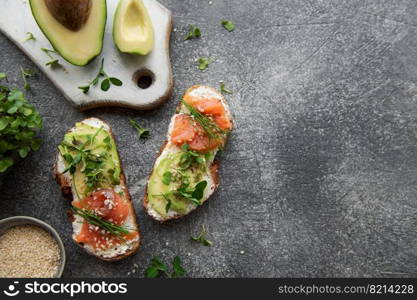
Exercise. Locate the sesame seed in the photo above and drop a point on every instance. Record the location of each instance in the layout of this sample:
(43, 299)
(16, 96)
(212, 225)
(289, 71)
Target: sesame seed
(28, 251)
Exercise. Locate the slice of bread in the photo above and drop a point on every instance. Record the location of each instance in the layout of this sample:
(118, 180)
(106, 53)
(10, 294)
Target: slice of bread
(65, 180)
(211, 175)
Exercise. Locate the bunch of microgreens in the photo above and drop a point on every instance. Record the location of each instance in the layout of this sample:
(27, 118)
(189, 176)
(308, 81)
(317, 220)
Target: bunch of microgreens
(19, 124)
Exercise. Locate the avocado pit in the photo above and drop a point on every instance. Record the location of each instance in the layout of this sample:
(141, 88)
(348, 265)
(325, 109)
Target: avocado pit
(73, 14)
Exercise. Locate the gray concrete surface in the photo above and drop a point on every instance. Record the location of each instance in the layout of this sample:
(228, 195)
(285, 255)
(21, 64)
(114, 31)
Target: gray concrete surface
(319, 177)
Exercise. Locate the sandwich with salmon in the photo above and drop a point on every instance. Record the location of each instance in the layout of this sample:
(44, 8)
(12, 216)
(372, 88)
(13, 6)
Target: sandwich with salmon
(90, 173)
(185, 173)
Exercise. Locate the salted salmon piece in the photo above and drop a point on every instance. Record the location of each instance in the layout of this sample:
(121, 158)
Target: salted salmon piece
(99, 238)
(107, 204)
(223, 121)
(184, 130)
(202, 143)
(211, 107)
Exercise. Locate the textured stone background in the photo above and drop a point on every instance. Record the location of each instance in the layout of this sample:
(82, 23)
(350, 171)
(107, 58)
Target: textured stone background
(319, 176)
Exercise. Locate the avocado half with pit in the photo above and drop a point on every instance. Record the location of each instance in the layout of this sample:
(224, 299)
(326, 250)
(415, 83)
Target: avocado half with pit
(132, 28)
(75, 28)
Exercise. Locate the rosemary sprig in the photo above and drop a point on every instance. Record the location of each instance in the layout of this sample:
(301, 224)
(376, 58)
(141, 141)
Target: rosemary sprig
(93, 219)
(213, 131)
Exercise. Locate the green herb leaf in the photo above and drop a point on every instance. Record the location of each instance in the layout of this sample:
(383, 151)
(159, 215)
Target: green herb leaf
(193, 32)
(168, 205)
(166, 178)
(26, 74)
(201, 237)
(178, 270)
(151, 272)
(228, 25)
(3, 76)
(23, 152)
(29, 37)
(224, 90)
(49, 51)
(204, 62)
(84, 88)
(143, 132)
(3, 123)
(105, 85)
(53, 63)
(198, 192)
(194, 195)
(5, 163)
(156, 262)
(116, 81)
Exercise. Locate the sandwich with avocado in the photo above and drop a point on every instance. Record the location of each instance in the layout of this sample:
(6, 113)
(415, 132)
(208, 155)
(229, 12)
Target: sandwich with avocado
(185, 174)
(90, 173)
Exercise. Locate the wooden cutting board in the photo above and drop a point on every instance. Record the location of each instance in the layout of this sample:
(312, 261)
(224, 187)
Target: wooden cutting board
(16, 20)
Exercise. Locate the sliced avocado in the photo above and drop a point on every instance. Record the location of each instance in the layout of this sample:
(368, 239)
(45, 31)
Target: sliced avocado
(103, 145)
(132, 28)
(156, 187)
(75, 28)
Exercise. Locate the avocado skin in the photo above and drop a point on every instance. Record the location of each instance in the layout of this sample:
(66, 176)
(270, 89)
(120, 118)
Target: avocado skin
(80, 64)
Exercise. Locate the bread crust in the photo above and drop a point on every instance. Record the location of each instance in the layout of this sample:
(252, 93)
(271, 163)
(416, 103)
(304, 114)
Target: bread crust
(66, 190)
(214, 167)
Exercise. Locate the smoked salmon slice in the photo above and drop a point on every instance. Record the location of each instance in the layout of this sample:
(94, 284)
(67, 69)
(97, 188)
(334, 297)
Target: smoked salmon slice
(107, 204)
(211, 107)
(187, 130)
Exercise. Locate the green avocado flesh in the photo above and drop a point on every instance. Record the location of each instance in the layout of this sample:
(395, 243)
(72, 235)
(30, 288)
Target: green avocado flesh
(156, 186)
(75, 28)
(132, 28)
(101, 169)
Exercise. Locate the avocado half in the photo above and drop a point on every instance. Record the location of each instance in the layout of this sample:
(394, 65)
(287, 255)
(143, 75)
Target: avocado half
(132, 28)
(75, 28)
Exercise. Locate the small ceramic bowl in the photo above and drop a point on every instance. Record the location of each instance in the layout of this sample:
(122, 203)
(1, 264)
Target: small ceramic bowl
(7, 223)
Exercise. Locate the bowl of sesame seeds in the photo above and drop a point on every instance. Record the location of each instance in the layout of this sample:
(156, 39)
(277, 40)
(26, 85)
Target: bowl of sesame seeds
(30, 248)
